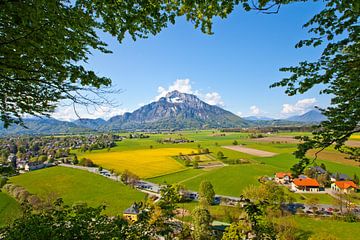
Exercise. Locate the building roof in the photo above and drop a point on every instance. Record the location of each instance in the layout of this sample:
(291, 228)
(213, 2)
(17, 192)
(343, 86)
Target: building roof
(319, 169)
(132, 210)
(307, 182)
(340, 175)
(346, 184)
(282, 174)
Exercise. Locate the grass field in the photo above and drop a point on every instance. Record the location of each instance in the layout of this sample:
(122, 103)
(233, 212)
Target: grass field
(9, 209)
(340, 229)
(229, 180)
(145, 162)
(75, 186)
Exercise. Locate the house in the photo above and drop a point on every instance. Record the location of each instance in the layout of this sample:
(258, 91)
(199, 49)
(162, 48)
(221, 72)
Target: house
(282, 177)
(344, 186)
(31, 166)
(132, 213)
(12, 158)
(318, 170)
(305, 184)
(339, 177)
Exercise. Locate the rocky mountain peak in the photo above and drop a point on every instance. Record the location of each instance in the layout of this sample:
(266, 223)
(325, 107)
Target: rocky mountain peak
(177, 97)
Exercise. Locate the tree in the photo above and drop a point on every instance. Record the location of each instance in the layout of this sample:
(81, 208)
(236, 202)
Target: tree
(45, 45)
(195, 164)
(220, 155)
(170, 196)
(356, 179)
(323, 166)
(235, 142)
(86, 162)
(129, 178)
(237, 231)
(201, 220)
(335, 27)
(206, 193)
(77, 222)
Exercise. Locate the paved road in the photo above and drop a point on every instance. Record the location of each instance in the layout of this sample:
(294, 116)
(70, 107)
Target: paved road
(153, 189)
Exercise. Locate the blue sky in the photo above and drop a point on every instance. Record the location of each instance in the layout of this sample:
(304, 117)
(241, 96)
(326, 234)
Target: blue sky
(232, 68)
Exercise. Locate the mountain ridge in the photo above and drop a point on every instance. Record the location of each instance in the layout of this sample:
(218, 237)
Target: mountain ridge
(175, 110)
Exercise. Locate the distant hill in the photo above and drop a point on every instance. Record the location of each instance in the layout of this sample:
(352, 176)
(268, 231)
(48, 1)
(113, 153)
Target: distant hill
(90, 123)
(312, 116)
(44, 126)
(257, 118)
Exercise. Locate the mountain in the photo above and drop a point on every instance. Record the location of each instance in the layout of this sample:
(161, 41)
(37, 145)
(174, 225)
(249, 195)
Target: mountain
(90, 123)
(312, 116)
(43, 126)
(257, 118)
(176, 110)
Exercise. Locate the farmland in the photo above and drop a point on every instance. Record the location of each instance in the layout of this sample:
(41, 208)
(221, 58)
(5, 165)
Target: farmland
(157, 161)
(160, 163)
(77, 186)
(228, 180)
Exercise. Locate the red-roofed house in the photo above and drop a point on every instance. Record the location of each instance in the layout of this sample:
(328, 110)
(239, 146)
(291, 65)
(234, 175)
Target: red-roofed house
(282, 177)
(305, 184)
(344, 186)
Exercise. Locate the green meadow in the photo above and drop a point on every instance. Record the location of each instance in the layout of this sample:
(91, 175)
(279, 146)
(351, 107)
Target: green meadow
(231, 179)
(9, 209)
(78, 186)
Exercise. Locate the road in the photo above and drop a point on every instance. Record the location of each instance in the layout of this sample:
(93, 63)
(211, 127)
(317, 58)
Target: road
(153, 189)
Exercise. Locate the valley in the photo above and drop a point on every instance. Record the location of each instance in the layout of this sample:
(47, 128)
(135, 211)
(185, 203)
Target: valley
(160, 158)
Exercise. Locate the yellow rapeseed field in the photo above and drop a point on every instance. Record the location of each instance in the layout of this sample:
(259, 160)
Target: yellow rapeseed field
(355, 137)
(145, 162)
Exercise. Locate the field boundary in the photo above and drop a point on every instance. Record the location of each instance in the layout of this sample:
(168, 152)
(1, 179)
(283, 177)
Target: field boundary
(250, 151)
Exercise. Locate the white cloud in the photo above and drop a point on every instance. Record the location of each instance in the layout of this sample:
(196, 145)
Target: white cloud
(184, 86)
(240, 114)
(181, 85)
(299, 107)
(67, 113)
(254, 110)
(213, 98)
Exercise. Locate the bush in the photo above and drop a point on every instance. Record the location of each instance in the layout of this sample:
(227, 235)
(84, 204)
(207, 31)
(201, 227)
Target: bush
(195, 164)
(86, 162)
(3, 181)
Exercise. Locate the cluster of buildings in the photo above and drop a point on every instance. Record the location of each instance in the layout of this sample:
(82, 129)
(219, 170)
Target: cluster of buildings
(26, 165)
(339, 183)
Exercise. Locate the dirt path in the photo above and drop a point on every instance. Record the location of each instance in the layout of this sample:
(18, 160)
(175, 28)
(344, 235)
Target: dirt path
(251, 151)
(187, 179)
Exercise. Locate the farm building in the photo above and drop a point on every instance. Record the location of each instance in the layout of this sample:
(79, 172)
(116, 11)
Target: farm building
(344, 186)
(282, 177)
(339, 177)
(30, 166)
(305, 184)
(132, 213)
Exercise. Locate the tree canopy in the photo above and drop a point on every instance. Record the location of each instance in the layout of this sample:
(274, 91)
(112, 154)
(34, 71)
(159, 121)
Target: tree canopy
(44, 46)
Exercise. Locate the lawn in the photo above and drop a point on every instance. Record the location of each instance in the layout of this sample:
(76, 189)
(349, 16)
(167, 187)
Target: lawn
(9, 209)
(145, 162)
(230, 180)
(340, 229)
(75, 186)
